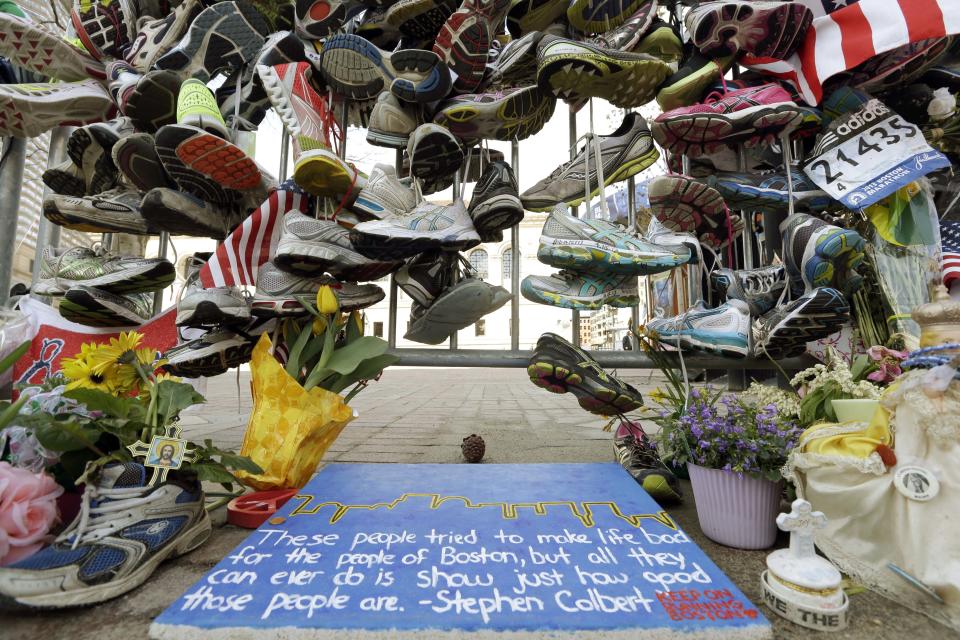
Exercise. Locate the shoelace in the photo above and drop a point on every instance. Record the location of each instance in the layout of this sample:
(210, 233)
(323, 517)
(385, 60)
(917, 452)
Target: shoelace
(113, 506)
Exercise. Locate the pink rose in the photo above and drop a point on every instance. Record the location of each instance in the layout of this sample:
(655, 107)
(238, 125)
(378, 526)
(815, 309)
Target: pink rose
(28, 508)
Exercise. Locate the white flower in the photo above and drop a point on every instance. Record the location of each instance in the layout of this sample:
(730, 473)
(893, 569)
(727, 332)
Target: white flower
(943, 105)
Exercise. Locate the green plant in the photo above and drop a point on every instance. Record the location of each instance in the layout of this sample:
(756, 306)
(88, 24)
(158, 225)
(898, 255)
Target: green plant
(822, 383)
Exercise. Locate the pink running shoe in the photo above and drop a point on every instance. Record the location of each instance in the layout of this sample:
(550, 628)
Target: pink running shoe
(749, 116)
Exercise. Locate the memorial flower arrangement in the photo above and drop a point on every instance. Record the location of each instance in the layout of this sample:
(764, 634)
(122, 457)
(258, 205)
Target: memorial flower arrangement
(821, 384)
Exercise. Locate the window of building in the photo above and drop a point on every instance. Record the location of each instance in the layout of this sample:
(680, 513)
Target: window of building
(377, 329)
(506, 266)
(478, 260)
(480, 328)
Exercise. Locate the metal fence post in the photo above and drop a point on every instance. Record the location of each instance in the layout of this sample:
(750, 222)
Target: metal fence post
(11, 180)
(394, 290)
(515, 259)
(284, 152)
(161, 253)
(632, 225)
(573, 212)
(455, 263)
(56, 150)
(692, 287)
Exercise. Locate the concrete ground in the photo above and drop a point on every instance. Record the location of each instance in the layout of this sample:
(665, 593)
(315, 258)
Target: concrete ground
(421, 415)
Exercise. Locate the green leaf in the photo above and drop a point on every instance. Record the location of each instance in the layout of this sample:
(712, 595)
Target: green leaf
(212, 472)
(174, 397)
(13, 356)
(347, 359)
(66, 436)
(95, 400)
(293, 359)
(10, 410)
(367, 370)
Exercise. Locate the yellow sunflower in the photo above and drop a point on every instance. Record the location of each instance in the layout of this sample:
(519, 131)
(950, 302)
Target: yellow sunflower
(86, 374)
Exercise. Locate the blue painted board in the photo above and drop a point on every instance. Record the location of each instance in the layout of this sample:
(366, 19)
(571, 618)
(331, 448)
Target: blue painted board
(571, 548)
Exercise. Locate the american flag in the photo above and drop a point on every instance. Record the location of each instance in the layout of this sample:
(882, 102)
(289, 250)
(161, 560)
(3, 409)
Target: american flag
(238, 258)
(845, 33)
(950, 251)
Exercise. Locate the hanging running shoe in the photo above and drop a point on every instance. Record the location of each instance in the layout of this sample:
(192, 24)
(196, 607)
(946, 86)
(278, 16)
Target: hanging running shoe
(420, 20)
(723, 331)
(785, 331)
(185, 214)
(157, 37)
(768, 192)
(136, 159)
(817, 254)
(391, 122)
(425, 228)
(507, 114)
(62, 269)
(495, 204)
(581, 291)
(434, 153)
(465, 39)
(764, 29)
(760, 288)
(384, 195)
(66, 179)
(560, 367)
(279, 292)
(29, 110)
(32, 47)
(98, 308)
(683, 204)
(116, 210)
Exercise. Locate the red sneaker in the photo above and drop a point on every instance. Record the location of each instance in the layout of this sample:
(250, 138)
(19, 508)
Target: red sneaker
(464, 40)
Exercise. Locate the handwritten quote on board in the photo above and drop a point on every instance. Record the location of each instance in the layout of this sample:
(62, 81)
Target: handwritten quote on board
(457, 559)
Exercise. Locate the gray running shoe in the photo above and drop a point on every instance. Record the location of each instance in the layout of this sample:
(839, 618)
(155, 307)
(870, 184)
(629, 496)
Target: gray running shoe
(582, 291)
(427, 227)
(311, 247)
(200, 307)
(135, 157)
(66, 179)
(724, 331)
(425, 277)
(458, 307)
(391, 122)
(113, 211)
(759, 288)
(817, 254)
(89, 147)
(278, 291)
(625, 152)
(384, 194)
(495, 204)
(661, 235)
(216, 351)
(597, 245)
(116, 274)
(434, 152)
(157, 37)
(98, 308)
(785, 331)
(185, 214)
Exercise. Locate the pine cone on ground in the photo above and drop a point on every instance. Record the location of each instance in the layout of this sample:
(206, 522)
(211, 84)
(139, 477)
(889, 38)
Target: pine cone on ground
(473, 448)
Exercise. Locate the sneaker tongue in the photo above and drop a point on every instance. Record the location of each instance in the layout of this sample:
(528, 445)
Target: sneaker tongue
(123, 475)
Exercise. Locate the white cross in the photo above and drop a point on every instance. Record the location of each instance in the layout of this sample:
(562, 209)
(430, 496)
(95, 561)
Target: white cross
(801, 522)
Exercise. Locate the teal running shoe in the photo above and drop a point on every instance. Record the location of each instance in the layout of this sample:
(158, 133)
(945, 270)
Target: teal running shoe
(723, 331)
(597, 245)
(817, 254)
(581, 291)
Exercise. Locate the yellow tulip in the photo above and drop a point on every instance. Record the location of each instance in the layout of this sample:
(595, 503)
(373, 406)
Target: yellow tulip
(327, 300)
(319, 325)
(357, 318)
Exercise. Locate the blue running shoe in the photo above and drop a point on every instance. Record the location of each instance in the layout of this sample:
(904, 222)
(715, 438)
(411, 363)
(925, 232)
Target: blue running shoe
(125, 529)
(817, 254)
(595, 245)
(769, 193)
(759, 288)
(785, 332)
(723, 331)
(581, 291)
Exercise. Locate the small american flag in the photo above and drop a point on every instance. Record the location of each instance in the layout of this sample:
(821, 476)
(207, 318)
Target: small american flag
(238, 258)
(845, 33)
(950, 251)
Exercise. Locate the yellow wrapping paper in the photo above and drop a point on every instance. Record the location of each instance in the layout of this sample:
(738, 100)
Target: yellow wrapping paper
(290, 429)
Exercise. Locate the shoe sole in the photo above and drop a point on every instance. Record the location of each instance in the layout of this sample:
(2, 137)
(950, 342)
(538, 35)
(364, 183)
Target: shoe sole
(103, 31)
(732, 28)
(825, 313)
(436, 153)
(386, 247)
(168, 140)
(28, 114)
(690, 89)
(136, 159)
(625, 83)
(593, 394)
(700, 134)
(64, 183)
(688, 206)
(386, 139)
(533, 15)
(228, 34)
(68, 212)
(452, 311)
(746, 197)
(153, 102)
(220, 160)
(313, 29)
(81, 306)
(132, 280)
(616, 298)
(38, 50)
(514, 117)
(265, 307)
(463, 43)
(420, 19)
(593, 16)
(323, 173)
(355, 67)
(186, 542)
(212, 364)
(314, 259)
(593, 256)
(496, 214)
(623, 171)
(207, 313)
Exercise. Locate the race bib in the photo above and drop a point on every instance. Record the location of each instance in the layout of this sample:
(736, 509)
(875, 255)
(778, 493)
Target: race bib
(868, 154)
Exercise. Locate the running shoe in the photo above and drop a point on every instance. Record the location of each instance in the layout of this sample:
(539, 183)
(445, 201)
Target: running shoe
(763, 29)
(69, 268)
(90, 149)
(683, 204)
(125, 529)
(313, 247)
(723, 331)
(638, 456)
(420, 20)
(465, 40)
(751, 116)
(516, 65)
(529, 16)
(625, 152)
(216, 306)
(898, 67)
(374, 27)
(185, 214)
(658, 234)
(434, 152)
(689, 84)
(319, 18)
(66, 179)
(221, 161)
(212, 354)
(29, 110)
(105, 27)
(660, 40)
(98, 308)
(507, 114)
(353, 66)
(136, 159)
(157, 37)
(597, 245)
(168, 140)
(114, 211)
(425, 276)
(600, 16)
(384, 194)
(768, 192)
(149, 100)
(495, 203)
(44, 52)
(785, 331)
(560, 367)
(278, 293)
(227, 35)
(760, 288)
(817, 254)
(459, 306)
(577, 70)
(197, 107)
(427, 227)
(391, 122)
(582, 291)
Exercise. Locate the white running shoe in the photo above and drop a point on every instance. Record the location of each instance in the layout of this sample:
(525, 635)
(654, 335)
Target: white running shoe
(428, 226)
(384, 194)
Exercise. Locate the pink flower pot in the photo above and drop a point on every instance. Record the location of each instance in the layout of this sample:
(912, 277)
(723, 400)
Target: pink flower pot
(739, 512)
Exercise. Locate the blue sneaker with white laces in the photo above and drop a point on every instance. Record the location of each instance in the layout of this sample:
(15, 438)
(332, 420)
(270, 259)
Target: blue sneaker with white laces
(723, 331)
(125, 529)
(768, 192)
